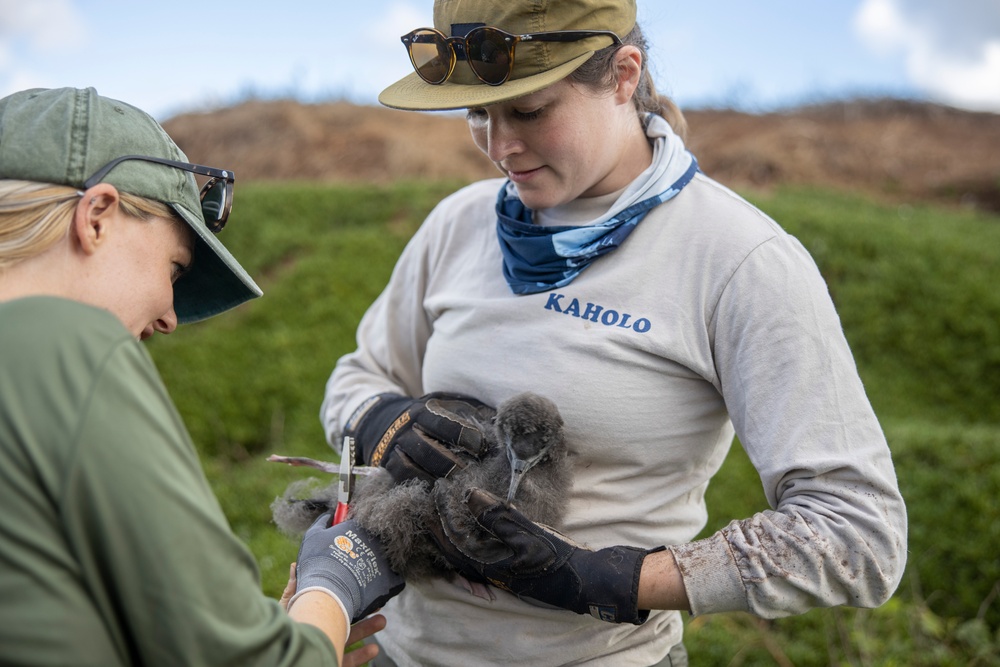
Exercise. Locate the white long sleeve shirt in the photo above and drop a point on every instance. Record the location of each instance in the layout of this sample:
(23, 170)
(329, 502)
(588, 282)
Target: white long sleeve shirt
(709, 320)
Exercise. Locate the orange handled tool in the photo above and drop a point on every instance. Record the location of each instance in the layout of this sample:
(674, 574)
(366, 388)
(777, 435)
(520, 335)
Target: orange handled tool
(345, 486)
(346, 471)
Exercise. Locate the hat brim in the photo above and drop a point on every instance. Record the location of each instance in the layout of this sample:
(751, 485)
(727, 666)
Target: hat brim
(216, 281)
(414, 94)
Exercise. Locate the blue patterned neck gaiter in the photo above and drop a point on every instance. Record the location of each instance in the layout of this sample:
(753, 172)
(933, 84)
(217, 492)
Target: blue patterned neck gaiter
(539, 258)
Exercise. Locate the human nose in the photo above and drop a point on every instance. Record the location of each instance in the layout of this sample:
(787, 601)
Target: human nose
(501, 139)
(167, 323)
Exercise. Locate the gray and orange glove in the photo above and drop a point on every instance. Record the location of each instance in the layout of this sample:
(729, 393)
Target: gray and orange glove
(535, 563)
(347, 562)
(424, 438)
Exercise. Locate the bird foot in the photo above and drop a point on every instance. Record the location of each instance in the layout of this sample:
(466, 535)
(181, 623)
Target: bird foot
(332, 468)
(476, 589)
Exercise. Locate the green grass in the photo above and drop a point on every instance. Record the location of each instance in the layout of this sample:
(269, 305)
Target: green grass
(917, 292)
(916, 288)
(252, 380)
(945, 612)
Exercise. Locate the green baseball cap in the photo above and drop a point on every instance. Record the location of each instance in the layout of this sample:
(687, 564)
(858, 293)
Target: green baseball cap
(536, 64)
(63, 136)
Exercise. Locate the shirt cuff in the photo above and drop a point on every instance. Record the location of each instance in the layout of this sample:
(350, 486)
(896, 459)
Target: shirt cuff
(336, 599)
(711, 577)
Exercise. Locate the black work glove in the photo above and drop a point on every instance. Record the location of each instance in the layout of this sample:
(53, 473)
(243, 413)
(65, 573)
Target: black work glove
(503, 547)
(424, 438)
(348, 562)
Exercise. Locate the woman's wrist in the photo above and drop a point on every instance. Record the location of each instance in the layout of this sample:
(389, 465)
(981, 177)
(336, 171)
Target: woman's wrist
(321, 608)
(660, 583)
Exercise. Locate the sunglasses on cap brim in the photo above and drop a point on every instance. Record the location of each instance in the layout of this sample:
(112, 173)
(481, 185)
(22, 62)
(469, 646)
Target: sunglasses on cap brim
(216, 195)
(489, 51)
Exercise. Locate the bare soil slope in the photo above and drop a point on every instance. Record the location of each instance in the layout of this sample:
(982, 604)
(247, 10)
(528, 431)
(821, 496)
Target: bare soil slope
(901, 151)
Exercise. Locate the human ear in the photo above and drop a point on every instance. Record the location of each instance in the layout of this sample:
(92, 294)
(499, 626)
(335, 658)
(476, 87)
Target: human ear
(93, 215)
(628, 69)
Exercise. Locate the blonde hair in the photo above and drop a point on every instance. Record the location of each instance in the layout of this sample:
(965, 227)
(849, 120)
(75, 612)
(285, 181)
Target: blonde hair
(36, 216)
(600, 72)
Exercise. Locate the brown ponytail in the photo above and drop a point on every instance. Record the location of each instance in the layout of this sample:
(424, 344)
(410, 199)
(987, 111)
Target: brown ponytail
(599, 72)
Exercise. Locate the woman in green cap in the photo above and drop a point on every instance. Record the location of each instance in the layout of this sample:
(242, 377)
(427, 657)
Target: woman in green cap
(661, 312)
(113, 550)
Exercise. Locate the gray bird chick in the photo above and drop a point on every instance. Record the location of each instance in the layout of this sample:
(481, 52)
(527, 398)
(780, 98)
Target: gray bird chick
(530, 430)
(526, 462)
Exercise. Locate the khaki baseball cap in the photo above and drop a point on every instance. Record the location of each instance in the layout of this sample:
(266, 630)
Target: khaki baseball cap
(536, 64)
(63, 136)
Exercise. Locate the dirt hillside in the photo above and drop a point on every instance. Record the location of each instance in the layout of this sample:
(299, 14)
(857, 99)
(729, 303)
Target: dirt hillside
(898, 150)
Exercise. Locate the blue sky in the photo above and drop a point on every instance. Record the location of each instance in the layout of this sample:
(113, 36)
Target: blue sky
(182, 55)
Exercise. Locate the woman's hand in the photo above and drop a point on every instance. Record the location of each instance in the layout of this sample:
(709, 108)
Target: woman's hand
(286, 595)
(355, 656)
(347, 562)
(356, 653)
(421, 438)
(536, 563)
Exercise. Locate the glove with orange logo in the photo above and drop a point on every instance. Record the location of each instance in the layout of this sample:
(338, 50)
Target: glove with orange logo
(424, 438)
(347, 562)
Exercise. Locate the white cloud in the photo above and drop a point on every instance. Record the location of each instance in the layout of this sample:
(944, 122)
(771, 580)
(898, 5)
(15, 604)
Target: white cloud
(880, 25)
(399, 19)
(33, 30)
(44, 25)
(383, 58)
(952, 50)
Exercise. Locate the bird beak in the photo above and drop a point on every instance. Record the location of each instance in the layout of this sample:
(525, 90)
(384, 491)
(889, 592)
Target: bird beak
(518, 467)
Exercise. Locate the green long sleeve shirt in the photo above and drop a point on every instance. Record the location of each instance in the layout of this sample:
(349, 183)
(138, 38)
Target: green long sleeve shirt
(113, 548)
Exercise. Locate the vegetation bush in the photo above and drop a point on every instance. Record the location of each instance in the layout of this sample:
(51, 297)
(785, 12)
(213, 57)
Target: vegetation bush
(916, 290)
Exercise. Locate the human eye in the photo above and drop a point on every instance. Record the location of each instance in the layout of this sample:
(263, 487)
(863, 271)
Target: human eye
(476, 115)
(178, 270)
(526, 115)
